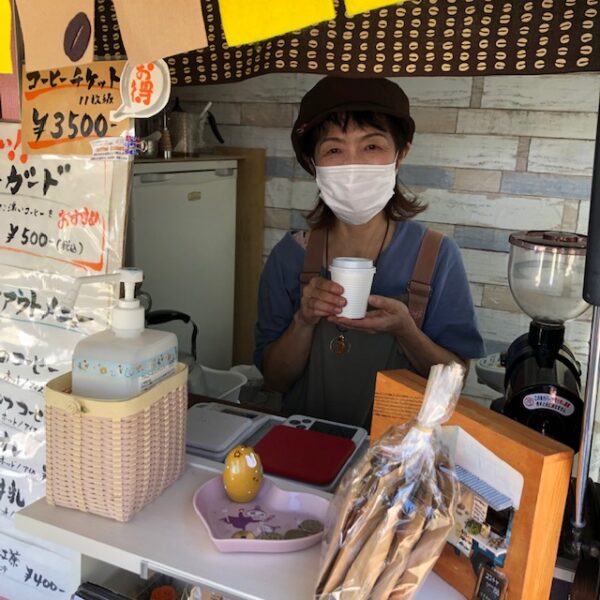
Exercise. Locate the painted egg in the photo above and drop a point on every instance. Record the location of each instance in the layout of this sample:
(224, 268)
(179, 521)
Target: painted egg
(243, 474)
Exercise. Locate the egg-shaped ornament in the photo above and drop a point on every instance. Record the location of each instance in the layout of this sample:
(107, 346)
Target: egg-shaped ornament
(243, 474)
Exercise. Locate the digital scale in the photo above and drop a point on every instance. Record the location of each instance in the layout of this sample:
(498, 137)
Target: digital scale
(213, 429)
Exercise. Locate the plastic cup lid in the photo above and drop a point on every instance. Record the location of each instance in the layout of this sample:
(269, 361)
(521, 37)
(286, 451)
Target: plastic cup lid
(349, 262)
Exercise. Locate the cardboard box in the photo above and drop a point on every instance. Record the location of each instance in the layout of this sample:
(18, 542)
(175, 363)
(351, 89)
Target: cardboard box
(544, 463)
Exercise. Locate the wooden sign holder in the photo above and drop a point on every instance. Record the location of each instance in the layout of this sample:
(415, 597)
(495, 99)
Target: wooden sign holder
(544, 463)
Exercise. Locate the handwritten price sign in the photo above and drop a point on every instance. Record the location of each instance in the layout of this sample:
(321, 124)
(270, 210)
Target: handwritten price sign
(64, 109)
(53, 211)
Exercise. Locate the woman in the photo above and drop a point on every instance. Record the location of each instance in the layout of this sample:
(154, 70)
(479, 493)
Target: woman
(352, 135)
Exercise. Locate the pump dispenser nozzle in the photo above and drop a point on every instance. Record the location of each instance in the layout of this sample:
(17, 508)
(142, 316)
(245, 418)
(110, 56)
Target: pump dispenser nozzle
(128, 315)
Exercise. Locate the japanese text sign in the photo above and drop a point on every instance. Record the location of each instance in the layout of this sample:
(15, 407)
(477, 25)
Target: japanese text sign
(145, 90)
(64, 109)
(55, 210)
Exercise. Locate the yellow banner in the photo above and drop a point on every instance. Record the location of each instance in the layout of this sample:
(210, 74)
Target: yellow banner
(246, 22)
(66, 109)
(355, 7)
(6, 65)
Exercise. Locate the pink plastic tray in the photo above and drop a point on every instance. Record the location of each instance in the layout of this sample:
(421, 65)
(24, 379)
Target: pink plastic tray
(273, 513)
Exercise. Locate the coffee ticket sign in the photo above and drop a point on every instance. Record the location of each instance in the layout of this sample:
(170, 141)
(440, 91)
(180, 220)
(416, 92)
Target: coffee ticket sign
(64, 109)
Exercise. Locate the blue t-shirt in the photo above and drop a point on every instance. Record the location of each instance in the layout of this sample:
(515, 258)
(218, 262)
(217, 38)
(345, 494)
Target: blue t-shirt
(450, 318)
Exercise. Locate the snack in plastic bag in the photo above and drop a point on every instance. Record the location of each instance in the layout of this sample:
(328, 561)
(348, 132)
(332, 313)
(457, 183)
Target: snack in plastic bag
(392, 513)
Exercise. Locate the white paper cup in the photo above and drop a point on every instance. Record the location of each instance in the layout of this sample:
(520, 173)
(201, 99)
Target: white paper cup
(355, 275)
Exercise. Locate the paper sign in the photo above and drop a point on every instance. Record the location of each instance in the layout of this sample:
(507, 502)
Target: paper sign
(6, 65)
(118, 148)
(355, 7)
(53, 209)
(57, 33)
(37, 569)
(145, 90)
(64, 109)
(246, 22)
(150, 30)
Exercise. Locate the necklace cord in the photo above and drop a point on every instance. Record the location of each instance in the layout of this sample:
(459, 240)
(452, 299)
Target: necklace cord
(387, 228)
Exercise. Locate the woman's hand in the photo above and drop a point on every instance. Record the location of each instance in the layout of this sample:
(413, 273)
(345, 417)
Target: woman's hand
(389, 316)
(320, 298)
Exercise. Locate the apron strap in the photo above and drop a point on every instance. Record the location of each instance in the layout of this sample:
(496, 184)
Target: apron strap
(313, 256)
(419, 286)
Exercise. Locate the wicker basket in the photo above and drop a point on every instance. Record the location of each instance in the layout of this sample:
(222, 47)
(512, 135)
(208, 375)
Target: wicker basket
(113, 458)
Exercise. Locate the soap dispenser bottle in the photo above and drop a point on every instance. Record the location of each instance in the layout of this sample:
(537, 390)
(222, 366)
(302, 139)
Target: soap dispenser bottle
(128, 359)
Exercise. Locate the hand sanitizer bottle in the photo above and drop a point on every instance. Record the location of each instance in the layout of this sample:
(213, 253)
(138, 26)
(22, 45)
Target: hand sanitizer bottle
(126, 360)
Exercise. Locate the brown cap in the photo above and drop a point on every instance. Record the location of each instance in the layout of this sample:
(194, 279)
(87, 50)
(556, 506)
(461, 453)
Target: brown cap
(337, 94)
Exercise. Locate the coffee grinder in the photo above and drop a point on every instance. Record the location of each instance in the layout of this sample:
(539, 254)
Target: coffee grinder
(542, 381)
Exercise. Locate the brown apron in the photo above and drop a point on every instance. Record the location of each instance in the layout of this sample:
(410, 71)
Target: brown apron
(334, 385)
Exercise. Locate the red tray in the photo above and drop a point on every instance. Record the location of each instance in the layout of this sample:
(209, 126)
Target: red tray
(308, 456)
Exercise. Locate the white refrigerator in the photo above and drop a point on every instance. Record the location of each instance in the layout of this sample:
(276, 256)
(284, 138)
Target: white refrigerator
(181, 232)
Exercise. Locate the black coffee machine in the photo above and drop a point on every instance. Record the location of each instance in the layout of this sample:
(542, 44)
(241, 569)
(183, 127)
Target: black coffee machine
(542, 380)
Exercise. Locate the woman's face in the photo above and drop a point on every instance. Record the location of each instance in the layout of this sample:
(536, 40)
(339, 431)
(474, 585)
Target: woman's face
(364, 145)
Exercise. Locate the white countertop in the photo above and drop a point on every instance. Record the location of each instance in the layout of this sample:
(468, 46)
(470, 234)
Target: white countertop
(167, 536)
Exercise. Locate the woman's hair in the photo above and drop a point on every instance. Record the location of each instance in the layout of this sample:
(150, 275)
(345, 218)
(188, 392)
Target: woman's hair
(399, 208)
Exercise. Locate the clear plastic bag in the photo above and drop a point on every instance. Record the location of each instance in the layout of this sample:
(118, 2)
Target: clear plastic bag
(392, 513)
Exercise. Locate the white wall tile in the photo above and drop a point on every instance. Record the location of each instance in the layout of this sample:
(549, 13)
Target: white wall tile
(436, 91)
(502, 326)
(570, 157)
(468, 151)
(486, 267)
(544, 124)
(477, 293)
(304, 194)
(573, 93)
(492, 210)
(276, 140)
(278, 193)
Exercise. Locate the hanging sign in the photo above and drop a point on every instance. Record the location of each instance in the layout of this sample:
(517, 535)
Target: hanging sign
(145, 90)
(52, 210)
(142, 27)
(58, 33)
(64, 109)
(247, 22)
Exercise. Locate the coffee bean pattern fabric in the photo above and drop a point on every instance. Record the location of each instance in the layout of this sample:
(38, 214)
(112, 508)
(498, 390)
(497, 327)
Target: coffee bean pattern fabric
(419, 37)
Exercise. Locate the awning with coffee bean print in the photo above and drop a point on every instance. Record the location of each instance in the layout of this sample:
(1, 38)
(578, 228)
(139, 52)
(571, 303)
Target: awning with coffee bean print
(419, 37)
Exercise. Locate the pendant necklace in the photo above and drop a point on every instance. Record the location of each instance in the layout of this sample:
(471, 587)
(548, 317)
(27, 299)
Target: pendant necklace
(339, 345)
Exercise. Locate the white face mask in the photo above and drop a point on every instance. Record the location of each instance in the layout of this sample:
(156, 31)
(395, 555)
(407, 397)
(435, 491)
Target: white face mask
(356, 193)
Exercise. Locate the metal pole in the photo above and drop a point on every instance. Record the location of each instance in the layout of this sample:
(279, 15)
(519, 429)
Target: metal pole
(591, 394)
(591, 294)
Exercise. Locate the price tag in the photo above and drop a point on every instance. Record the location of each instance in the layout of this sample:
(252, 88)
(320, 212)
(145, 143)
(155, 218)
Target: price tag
(65, 109)
(491, 585)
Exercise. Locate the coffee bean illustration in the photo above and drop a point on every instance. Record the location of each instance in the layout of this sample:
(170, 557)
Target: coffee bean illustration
(77, 36)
